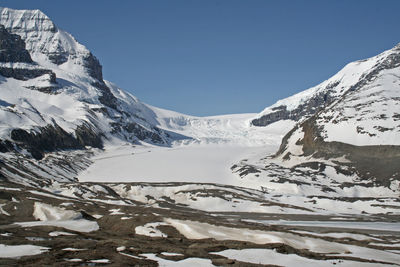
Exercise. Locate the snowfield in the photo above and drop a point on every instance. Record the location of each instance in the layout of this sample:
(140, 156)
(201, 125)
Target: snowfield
(195, 163)
(214, 146)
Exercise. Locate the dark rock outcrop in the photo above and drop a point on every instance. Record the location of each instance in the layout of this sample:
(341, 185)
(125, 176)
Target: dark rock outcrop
(106, 98)
(93, 66)
(26, 74)
(312, 106)
(137, 131)
(52, 138)
(12, 48)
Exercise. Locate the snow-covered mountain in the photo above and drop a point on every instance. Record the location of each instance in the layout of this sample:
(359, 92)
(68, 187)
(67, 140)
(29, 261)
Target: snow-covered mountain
(53, 99)
(351, 78)
(53, 95)
(347, 135)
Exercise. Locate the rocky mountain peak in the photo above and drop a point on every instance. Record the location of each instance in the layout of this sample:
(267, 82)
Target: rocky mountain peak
(26, 21)
(42, 37)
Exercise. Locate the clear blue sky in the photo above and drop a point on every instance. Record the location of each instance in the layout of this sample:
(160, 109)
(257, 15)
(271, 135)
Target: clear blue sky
(223, 56)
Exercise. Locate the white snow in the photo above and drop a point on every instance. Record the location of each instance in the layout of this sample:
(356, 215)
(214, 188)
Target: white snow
(73, 249)
(150, 229)
(100, 261)
(73, 225)
(171, 254)
(196, 163)
(60, 217)
(2, 211)
(186, 262)
(9, 188)
(46, 212)
(116, 212)
(6, 234)
(207, 159)
(121, 248)
(16, 251)
(59, 233)
(367, 115)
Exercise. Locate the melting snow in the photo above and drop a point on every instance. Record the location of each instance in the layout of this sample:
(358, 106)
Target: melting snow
(8, 251)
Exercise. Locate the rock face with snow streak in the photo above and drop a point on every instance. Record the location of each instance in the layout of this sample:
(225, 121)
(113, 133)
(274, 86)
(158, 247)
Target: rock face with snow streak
(43, 38)
(352, 77)
(358, 130)
(53, 95)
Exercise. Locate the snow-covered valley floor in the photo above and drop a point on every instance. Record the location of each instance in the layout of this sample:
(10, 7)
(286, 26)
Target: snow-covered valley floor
(185, 163)
(213, 146)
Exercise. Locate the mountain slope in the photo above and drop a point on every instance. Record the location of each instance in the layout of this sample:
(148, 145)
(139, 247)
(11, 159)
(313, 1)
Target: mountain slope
(55, 91)
(306, 103)
(351, 144)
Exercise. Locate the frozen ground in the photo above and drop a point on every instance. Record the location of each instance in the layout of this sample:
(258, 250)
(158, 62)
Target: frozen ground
(185, 163)
(214, 146)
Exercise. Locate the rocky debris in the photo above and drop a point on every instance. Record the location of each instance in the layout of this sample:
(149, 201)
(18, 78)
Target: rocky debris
(378, 163)
(117, 243)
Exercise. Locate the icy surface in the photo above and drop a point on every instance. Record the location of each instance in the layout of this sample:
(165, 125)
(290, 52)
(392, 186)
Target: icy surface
(150, 229)
(9, 251)
(186, 262)
(59, 217)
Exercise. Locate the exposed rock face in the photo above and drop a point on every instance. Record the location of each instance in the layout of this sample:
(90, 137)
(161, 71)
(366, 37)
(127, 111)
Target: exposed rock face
(312, 106)
(379, 163)
(93, 66)
(12, 48)
(106, 97)
(25, 74)
(43, 37)
(141, 133)
(53, 137)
